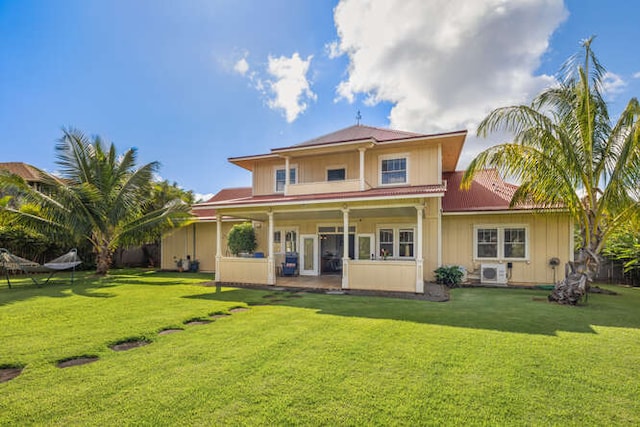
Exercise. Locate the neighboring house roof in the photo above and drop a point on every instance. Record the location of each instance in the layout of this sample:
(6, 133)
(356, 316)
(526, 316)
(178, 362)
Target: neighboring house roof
(273, 199)
(25, 171)
(488, 192)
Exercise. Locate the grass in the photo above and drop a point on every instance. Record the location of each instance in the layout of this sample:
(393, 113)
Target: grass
(488, 357)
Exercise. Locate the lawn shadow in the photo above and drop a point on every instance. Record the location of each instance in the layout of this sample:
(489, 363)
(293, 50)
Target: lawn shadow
(85, 284)
(505, 310)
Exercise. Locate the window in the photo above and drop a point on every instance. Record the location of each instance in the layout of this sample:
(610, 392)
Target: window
(487, 242)
(514, 243)
(280, 178)
(405, 243)
(386, 242)
(285, 240)
(393, 171)
(501, 242)
(338, 174)
(396, 242)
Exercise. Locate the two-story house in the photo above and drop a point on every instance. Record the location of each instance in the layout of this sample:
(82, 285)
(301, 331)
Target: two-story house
(380, 208)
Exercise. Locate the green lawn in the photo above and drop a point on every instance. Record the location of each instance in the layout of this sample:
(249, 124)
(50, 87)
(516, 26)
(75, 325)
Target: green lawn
(487, 357)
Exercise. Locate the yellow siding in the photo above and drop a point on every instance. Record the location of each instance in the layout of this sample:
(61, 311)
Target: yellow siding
(550, 236)
(397, 276)
(423, 167)
(200, 246)
(243, 270)
(314, 168)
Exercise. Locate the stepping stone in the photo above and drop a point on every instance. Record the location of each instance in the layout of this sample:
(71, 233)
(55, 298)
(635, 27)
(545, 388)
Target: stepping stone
(198, 322)
(169, 331)
(128, 345)
(238, 310)
(219, 316)
(7, 374)
(76, 362)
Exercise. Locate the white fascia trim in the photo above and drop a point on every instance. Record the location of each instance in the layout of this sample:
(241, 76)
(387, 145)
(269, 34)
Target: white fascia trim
(503, 212)
(214, 219)
(328, 144)
(256, 157)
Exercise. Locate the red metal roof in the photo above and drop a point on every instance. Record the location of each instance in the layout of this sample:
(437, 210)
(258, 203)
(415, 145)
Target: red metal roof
(359, 132)
(411, 191)
(225, 194)
(488, 192)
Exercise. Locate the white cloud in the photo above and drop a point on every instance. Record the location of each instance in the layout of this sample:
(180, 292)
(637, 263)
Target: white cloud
(202, 197)
(333, 49)
(444, 64)
(241, 66)
(612, 84)
(290, 87)
(636, 75)
(283, 83)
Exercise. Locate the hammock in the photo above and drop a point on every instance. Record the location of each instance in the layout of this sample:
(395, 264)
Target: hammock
(15, 263)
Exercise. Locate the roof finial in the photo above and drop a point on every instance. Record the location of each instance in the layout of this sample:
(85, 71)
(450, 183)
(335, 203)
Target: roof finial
(358, 118)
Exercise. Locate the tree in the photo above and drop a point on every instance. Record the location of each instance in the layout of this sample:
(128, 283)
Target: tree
(624, 246)
(242, 238)
(567, 153)
(100, 197)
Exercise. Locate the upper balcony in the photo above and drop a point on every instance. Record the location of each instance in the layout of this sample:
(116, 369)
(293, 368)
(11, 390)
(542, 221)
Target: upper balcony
(344, 186)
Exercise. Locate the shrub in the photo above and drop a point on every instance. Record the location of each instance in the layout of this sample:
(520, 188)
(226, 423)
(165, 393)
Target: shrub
(449, 275)
(242, 238)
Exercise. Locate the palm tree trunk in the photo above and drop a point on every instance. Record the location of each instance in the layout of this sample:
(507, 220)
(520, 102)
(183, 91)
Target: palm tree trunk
(104, 257)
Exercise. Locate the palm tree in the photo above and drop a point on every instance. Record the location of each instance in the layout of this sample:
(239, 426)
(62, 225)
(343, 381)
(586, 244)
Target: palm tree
(100, 198)
(566, 152)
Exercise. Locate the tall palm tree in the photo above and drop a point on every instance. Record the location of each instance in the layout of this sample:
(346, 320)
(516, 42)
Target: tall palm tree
(566, 152)
(101, 198)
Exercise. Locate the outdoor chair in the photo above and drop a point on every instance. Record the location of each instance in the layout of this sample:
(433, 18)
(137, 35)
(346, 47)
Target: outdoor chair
(290, 265)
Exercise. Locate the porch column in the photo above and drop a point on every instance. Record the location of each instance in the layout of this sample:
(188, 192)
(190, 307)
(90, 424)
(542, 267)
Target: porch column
(419, 259)
(345, 251)
(218, 245)
(362, 150)
(271, 273)
(286, 175)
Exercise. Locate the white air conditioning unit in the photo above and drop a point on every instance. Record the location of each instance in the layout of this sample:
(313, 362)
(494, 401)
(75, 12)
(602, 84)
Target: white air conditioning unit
(493, 273)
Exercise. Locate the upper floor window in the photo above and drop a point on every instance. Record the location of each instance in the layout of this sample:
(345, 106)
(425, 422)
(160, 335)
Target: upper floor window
(280, 178)
(393, 170)
(336, 174)
(501, 242)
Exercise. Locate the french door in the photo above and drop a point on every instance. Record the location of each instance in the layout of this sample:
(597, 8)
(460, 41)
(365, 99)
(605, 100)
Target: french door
(308, 254)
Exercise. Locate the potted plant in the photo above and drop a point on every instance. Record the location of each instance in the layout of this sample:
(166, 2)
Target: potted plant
(241, 240)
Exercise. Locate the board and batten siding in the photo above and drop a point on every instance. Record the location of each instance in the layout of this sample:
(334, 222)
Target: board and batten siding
(550, 236)
(201, 245)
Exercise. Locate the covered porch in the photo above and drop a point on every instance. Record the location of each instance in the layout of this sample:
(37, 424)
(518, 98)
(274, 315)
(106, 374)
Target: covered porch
(376, 246)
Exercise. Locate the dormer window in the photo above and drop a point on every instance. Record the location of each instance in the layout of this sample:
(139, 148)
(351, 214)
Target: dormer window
(280, 178)
(336, 174)
(394, 170)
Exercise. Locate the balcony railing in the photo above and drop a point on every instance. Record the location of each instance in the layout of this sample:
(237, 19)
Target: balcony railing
(302, 188)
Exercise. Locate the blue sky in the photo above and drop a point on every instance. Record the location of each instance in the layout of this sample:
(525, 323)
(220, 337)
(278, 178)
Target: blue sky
(191, 83)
